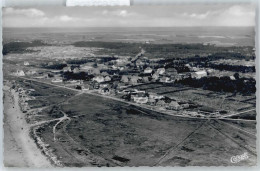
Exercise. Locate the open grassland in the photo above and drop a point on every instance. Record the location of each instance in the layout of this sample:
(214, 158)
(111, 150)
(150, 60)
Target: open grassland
(216, 100)
(88, 130)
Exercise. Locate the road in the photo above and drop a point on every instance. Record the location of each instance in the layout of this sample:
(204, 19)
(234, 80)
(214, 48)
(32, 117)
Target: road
(148, 108)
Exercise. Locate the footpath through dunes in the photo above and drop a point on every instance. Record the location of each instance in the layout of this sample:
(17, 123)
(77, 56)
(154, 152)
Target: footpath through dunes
(125, 135)
(93, 130)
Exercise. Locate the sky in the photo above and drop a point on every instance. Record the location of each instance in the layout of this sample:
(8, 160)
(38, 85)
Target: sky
(134, 16)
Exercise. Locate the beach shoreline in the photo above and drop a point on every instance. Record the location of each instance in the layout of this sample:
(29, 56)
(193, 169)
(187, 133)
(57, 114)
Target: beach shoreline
(20, 150)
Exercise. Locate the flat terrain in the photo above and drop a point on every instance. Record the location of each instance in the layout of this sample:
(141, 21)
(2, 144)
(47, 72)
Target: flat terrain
(92, 130)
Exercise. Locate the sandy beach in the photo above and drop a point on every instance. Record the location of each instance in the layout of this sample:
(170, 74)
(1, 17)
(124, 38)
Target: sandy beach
(20, 150)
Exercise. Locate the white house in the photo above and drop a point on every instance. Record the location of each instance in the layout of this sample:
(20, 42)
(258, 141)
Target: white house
(199, 74)
(166, 80)
(20, 73)
(107, 78)
(26, 63)
(31, 72)
(99, 79)
(161, 71)
(141, 100)
(66, 69)
(148, 70)
(56, 80)
(155, 96)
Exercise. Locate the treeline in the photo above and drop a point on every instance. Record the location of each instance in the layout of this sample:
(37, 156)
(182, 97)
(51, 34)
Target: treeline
(20, 47)
(77, 76)
(241, 85)
(234, 68)
(54, 66)
(169, 51)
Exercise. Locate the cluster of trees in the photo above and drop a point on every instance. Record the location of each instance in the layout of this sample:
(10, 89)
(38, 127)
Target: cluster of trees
(241, 85)
(77, 76)
(168, 50)
(20, 47)
(235, 68)
(54, 66)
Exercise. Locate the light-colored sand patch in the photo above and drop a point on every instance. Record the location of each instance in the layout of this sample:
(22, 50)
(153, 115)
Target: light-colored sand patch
(20, 149)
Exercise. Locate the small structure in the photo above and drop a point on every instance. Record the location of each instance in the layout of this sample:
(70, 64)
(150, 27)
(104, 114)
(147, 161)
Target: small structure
(104, 91)
(134, 80)
(31, 72)
(107, 78)
(145, 79)
(173, 105)
(155, 76)
(85, 87)
(20, 73)
(139, 63)
(152, 101)
(124, 79)
(26, 63)
(95, 71)
(171, 71)
(99, 79)
(141, 100)
(75, 70)
(166, 80)
(50, 63)
(160, 71)
(199, 74)
(232, 77)
(155, 96)
(148, 70)
(56, 80)
(104, 74)
(160, 103)
(85, 68)
(67, 69)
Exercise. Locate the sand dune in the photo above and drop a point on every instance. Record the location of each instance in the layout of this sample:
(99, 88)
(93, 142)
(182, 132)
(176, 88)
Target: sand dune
(20, 149)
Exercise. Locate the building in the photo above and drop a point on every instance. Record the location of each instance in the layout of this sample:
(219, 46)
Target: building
(155, 96)
(199, 74)
(85, 87)
(31, 72)
(56, 80)
(166, 80)
(148, 70)
(173, 105)
(107, 78)
(160, 71)
(104, 91)
(141, 100)
(104, 73)
(134, 79)
(76, 70)
(94, 71)
(99, 79)
(124, 79)
(20, 73)
(67, 69)
(232, 77)
(26, 63)
(50, 63)
(145, 79)
(155, 76)
(85, 68)
(160, 103)
(171, 71)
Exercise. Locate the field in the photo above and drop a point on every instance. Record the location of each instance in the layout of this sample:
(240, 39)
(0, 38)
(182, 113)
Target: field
(216, 100)
(94, 131)
(197, 122)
